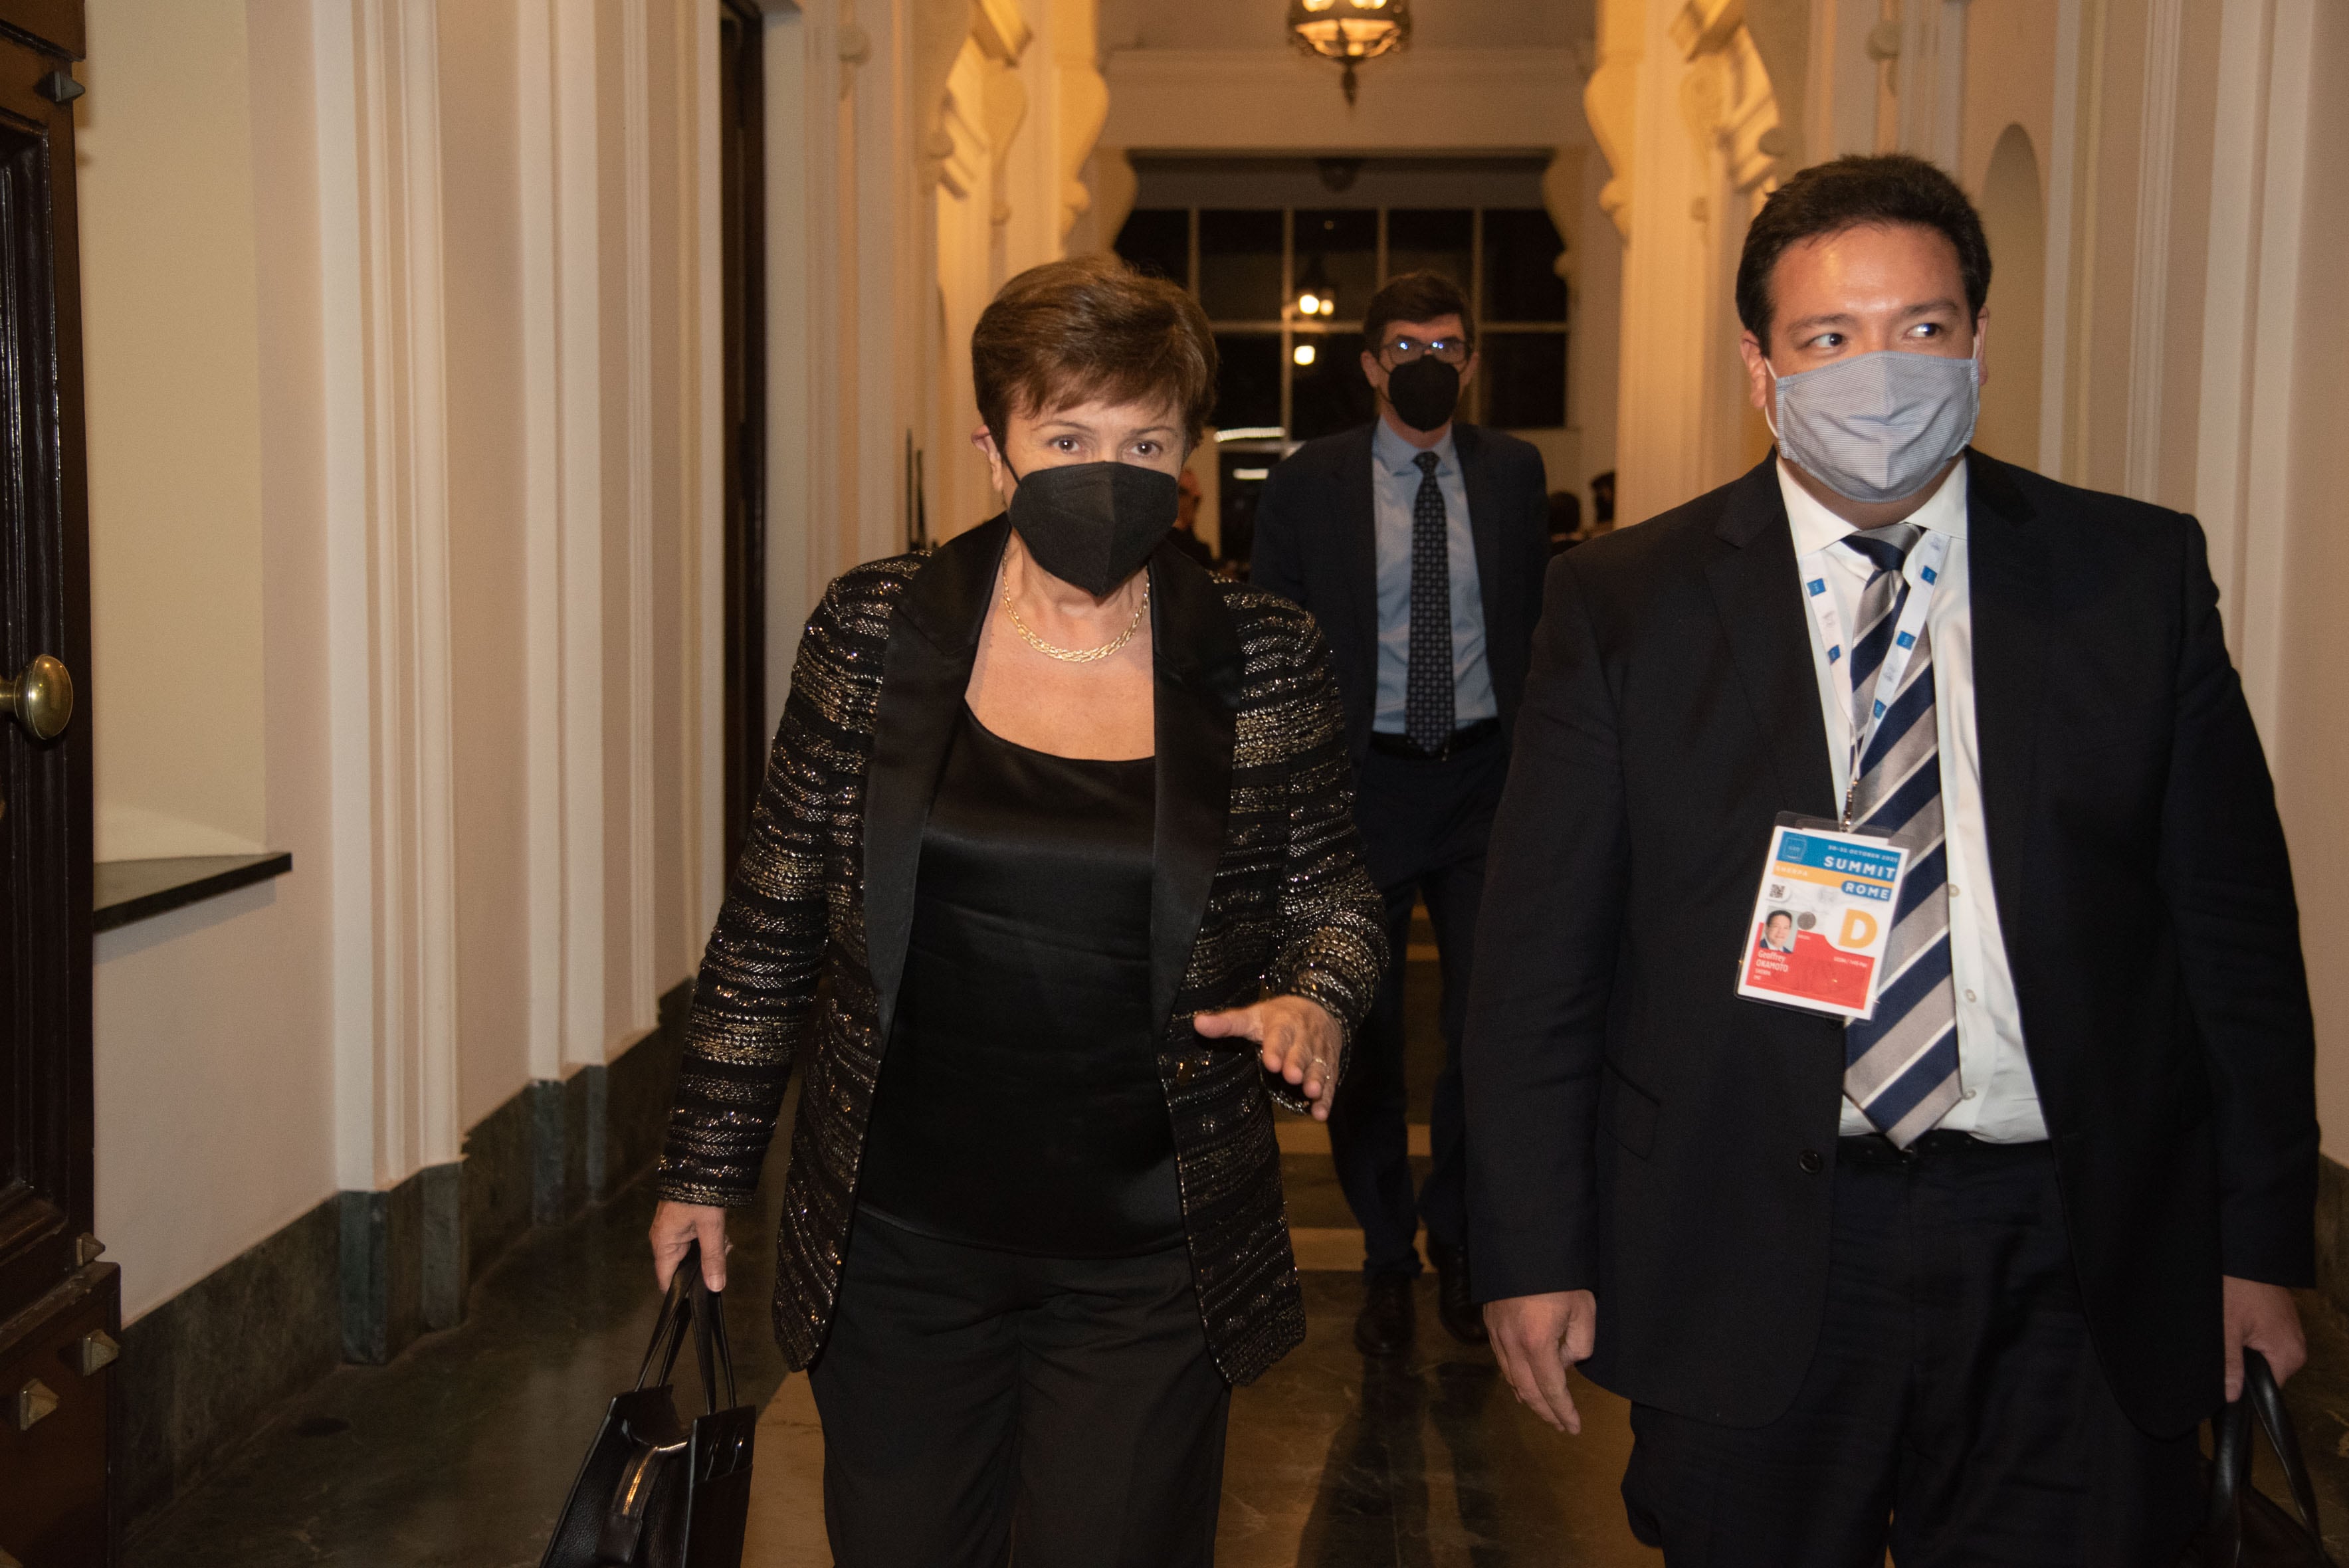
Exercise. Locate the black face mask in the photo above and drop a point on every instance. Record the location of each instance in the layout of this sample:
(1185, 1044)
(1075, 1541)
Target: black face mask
(1424, 392)
(1093, 524)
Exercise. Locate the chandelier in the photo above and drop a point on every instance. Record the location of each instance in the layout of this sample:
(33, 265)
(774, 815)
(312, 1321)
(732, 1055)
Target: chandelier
(1349, 31)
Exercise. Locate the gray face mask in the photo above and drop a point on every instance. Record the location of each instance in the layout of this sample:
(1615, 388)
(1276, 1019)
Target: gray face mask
(1876, 426)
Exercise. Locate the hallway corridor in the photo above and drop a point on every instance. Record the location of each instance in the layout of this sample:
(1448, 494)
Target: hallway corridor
(457, 1454)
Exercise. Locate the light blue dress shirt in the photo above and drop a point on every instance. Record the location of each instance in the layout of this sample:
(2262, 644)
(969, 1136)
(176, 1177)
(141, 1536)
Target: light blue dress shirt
(1395, 493)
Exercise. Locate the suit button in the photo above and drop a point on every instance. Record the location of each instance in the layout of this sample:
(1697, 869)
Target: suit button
(1810, 1161)
(1182, 1070)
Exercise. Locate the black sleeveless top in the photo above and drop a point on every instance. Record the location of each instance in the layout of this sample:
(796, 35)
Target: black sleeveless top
(1018, 1105)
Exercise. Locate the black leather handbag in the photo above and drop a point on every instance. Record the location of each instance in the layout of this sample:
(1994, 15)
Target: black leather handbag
(2247, 1530)
(656, 1492)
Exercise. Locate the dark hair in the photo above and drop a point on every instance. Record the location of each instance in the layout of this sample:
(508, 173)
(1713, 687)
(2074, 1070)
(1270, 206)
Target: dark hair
(1850, 192)
(1416, 296)
(1091, 326)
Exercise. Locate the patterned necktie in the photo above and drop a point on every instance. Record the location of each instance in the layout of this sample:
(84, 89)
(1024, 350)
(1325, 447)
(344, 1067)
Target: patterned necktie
(1901, 1067)
(1427, 694)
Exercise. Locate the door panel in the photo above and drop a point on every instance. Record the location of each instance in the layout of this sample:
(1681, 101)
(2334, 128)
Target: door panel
(46, 840)
(56, 1392)
(741, 140)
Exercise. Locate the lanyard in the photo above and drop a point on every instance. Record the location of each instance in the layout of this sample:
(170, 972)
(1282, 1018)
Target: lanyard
(1930, 553)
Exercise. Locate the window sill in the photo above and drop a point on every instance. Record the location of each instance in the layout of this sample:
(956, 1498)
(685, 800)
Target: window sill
(133, 890)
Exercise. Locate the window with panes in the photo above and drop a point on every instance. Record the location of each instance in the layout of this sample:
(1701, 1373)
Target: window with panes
(1300, 375)
(1285, 289)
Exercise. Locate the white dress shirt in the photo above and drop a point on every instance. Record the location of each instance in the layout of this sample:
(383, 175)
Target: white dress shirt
(2000, 1102)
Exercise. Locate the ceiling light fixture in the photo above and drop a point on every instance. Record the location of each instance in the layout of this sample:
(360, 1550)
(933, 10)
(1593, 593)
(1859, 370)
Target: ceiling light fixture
(1349, 31)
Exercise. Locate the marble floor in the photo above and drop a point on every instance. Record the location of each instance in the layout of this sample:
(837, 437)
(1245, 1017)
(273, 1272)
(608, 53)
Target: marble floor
(459, 1454)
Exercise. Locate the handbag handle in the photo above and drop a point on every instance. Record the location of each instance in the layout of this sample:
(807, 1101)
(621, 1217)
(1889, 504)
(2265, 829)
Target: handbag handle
(692, 1306)
(2267, 1397)
(2231, 1461)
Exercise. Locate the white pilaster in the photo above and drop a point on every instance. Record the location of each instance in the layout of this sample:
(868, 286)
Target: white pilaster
(2064, 187)
(377, 79)
(635, 163)
(2149, 301)
(578, 391)
(703, 444)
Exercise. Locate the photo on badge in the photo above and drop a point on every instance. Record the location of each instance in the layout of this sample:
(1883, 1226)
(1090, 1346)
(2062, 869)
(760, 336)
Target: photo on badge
(1822, 918)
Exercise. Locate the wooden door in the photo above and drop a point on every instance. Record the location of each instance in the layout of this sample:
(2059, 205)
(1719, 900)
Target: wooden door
(742, 205)
(59, 1307)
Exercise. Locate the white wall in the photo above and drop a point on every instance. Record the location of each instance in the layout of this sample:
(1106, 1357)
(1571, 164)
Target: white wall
(169, 349)
(917, 155)
(430, 351)
(483, 416)
(215, 1080)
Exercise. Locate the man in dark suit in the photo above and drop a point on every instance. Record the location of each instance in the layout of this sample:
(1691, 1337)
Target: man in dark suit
(1419, 545)
(1959, 1278)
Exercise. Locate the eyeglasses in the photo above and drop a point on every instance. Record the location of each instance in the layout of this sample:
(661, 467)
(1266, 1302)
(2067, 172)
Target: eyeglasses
(1403, 350)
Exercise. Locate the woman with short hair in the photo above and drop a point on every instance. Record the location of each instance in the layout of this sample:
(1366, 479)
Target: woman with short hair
(1059, 825)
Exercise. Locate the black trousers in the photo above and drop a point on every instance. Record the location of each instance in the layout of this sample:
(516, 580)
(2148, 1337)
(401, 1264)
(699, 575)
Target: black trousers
(1954, 1411)
(1424, 826)
(974, 1399)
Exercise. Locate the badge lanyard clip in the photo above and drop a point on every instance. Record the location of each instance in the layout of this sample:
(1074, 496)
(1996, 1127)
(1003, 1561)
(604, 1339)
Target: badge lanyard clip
(1930, 554)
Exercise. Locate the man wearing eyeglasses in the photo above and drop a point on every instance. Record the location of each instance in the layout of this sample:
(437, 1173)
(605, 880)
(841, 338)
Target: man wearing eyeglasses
(1419, 543)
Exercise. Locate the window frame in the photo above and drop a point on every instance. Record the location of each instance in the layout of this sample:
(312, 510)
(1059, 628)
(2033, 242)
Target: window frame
(1291, 329)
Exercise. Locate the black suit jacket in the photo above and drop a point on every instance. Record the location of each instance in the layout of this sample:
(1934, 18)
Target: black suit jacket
(1256, 888)
(1317, 543)
(1636, 1129)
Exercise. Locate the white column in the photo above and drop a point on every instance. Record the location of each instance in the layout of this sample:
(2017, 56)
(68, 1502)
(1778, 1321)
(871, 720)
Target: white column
(1700, 113)
(2149, 293)
(637, 956)
(2063, 192)
(2252, 328)
(563, 558)
(804, 86)
(892, 289)
(703, 444)
(387, 567)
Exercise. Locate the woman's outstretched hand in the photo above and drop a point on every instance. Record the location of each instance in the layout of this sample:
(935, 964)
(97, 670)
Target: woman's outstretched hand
(1299, 1042)
(676, 1226)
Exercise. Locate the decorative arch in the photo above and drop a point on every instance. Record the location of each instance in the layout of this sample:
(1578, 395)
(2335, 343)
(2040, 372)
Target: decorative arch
(2014, 217)
(1693, 108)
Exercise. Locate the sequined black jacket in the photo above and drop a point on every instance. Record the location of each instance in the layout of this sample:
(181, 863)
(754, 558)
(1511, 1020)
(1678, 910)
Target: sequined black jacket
(1258, 890)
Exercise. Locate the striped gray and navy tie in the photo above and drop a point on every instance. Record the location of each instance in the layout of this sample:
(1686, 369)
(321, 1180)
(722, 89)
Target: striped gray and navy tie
(1901, 1067)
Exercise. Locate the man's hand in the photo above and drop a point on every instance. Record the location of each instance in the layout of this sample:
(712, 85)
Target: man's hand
(676, 1226)
(1300, 1043)
(1537, 1337)
(2266, 1318)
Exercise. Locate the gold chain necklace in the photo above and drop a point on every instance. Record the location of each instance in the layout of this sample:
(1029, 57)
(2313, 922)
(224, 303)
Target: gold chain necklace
(1079, 656)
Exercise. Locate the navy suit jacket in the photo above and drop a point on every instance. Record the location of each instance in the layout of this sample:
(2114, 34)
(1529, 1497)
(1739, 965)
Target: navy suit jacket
(1317, 544)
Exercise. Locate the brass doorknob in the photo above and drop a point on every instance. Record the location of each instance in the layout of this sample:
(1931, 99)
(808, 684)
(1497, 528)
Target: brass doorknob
(42, 697)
